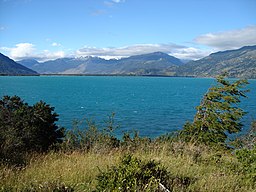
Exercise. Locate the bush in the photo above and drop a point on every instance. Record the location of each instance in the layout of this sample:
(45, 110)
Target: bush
(25, 129)
(86, 136)
(131, 141)
(247, 158)
(133, 174)
(89, 137)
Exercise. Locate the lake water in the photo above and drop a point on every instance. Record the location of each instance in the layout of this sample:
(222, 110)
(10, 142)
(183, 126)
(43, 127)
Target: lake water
(151, 105)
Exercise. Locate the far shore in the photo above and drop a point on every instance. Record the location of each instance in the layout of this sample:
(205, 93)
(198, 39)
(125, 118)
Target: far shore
(111, 75)
(119, 75)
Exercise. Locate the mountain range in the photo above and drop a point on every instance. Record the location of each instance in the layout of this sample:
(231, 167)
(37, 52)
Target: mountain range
(146, 64)
(237, 63)
(10, 67)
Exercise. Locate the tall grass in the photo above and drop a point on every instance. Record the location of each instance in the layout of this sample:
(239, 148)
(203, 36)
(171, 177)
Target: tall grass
(86, 154)
(210, 170)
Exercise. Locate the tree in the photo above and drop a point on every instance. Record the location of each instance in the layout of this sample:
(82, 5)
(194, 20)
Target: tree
(218, 114)
(25, 128)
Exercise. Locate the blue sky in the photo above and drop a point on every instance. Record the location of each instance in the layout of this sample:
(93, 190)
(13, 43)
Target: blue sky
(187, 29)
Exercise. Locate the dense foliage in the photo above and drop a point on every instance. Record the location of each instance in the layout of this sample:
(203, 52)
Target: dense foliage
(247, 158)
(133, 174)
(218, 114)
(86, 136)
(25, 128)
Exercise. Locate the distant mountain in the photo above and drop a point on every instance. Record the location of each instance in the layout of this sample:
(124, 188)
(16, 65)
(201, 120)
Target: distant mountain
(29, 63)
(52, 66)
(146, 64)
(10, 67)
(68, 65)
(155, 57)
(239, 63)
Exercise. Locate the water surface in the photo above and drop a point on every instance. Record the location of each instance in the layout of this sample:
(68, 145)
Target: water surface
(151, 105)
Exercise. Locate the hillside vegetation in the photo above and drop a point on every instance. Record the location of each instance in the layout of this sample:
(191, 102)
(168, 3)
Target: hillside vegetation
(240, 63)
(196, 168)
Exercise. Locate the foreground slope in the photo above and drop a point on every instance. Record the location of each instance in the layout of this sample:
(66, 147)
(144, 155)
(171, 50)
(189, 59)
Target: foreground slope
(10, 67)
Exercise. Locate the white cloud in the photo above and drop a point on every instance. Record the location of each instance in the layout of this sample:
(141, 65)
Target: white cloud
(191, 53)
(118, 1)
(48, 55)
(127, 50)
(178, 51)
(229, 39)
(111, 57)
(28, 50)
(54, 44)
(21, 50)
(112, 2)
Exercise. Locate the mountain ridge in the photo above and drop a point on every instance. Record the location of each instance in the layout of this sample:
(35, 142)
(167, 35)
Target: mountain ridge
(10, 67)
(148, 64)
(239, 63)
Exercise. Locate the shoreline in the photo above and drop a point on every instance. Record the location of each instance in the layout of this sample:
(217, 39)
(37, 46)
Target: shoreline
(103, 75)
(114, 75)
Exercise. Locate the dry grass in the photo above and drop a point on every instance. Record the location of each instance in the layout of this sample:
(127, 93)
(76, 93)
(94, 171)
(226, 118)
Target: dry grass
(78, 170)
(210, 170)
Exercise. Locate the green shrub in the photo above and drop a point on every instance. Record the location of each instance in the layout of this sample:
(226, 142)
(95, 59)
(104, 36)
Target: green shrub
(247, 158)
(132, 141)
(88, 136)
(133, 174)
(25, 129)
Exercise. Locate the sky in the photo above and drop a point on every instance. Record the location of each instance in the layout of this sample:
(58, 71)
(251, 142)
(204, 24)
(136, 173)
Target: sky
(187, 29)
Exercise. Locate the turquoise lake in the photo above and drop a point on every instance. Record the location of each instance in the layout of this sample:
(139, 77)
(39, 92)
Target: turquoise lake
(151, 105)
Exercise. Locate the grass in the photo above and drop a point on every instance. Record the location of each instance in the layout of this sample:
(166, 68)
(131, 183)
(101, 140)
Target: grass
(211, 170)
(76, 169)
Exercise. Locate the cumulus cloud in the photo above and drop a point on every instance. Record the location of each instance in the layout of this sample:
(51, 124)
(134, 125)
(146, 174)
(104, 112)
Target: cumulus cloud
(20, 50)
(118, 1)
(127, 50)
(48, 55)
(179, 51)
(229, 39)
(190, 53)
(112, 2)
(54, 44)
(28, 50)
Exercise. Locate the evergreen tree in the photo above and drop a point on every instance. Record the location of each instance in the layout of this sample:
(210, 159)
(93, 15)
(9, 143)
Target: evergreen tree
(218, 113)
(25, 128)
